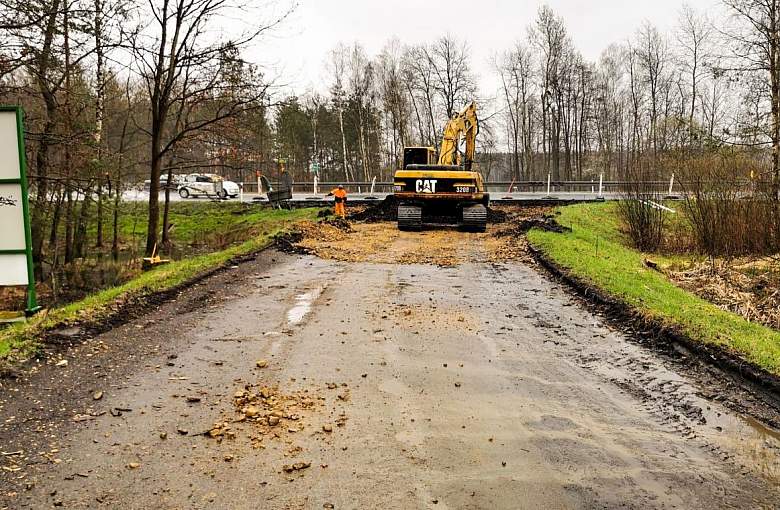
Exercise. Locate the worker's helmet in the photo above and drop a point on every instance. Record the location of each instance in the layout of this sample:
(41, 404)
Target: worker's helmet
(341, 186)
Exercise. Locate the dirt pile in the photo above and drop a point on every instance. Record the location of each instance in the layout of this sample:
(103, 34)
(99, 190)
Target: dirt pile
(372, 240)
(497, 215)
(543, 222)
(271, 412)
(335, 229)
(386, 210)
(340, 224)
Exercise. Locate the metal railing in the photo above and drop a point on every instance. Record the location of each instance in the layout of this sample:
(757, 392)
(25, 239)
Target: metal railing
(596, 186)
(549, 186)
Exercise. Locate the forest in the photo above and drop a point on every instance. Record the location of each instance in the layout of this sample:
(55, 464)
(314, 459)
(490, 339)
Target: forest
(117, 93)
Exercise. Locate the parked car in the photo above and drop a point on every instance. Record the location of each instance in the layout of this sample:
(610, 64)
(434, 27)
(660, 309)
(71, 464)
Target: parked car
(209, 185)
(175, 180)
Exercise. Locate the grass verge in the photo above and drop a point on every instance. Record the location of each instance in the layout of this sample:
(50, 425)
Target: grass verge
(21, 340)
(596, 252)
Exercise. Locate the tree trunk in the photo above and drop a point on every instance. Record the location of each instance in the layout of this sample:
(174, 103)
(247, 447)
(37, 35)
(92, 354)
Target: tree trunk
(166, 207)
(80, 237)
(99, 112)
(41, 72)
(69, 252)
(153, 223)
(99, 219)
(68, 222)
(343, 144)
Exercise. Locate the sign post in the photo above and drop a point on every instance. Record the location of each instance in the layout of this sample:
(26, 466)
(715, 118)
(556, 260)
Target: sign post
(16, 263)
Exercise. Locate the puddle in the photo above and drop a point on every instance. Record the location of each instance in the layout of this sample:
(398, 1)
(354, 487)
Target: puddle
(762, 430)
(681, 404)
(303, 304)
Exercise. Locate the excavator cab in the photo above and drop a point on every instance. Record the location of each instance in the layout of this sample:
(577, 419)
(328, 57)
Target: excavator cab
(419, 156)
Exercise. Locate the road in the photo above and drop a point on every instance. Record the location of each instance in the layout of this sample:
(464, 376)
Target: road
(459, 385)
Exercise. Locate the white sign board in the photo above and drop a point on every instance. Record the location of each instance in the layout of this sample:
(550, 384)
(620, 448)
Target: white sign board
(13, 266)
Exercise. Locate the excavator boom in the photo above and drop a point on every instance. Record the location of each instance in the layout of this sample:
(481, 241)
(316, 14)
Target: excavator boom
(463, 125)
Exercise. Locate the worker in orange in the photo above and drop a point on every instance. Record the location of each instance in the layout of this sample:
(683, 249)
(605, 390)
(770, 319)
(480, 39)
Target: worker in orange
(340, 195)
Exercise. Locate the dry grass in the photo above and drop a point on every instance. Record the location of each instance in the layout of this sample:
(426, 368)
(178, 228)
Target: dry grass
(750, 288)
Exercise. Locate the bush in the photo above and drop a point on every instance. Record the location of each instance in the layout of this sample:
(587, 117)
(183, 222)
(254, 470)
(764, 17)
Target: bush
(731, 214)
(639, 210)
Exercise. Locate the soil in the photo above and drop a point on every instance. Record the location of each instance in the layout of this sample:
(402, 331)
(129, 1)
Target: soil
(416, 372)
(386, 210)
(382, 242)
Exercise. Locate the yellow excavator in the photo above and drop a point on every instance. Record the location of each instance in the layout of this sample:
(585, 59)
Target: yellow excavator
(445, 187)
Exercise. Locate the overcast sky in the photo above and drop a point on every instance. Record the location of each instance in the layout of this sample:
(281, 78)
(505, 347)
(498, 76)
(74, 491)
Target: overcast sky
(299, 49)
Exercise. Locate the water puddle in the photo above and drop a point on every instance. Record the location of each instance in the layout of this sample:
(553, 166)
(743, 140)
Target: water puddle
(762, 430)
(741, 438)
(303, 304)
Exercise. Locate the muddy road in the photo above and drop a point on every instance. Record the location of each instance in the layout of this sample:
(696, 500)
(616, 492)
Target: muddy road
(431, 370)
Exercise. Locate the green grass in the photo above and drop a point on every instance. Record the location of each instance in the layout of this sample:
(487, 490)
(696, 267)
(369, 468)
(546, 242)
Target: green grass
(597, 252)
(195, 222)
(20, 340)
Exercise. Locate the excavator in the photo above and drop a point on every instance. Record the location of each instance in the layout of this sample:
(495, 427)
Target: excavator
(444, 187)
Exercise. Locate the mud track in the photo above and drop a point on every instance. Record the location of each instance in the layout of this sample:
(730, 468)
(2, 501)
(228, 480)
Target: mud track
(735, 382)
(438, 369)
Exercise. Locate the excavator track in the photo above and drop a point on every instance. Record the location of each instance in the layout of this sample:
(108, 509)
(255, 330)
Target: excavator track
(409, 217)
(474, 218)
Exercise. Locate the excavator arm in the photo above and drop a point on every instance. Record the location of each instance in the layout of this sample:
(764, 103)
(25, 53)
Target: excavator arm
(462, 125)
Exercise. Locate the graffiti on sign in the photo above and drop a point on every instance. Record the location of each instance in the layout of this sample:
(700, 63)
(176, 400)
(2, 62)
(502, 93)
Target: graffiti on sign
(8, 201)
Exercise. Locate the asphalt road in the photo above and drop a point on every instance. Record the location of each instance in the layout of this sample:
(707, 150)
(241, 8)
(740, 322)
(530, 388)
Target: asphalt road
(396, 386)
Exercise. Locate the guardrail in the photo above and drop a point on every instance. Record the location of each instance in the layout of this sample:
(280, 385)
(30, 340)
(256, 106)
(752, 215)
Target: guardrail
(598, 186)
(549, 186)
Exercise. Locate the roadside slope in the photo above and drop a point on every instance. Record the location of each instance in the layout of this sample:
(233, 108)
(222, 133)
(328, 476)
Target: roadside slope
(595, 252)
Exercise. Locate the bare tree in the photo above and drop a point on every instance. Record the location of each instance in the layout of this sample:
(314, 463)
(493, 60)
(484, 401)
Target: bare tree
(181, 64)
(419, 78)
(652, 58)
(548, 34)
(394, 98)
(515, 70)
(453, 79)
(338, 64)
(360, 74)
(694, 38)
(756, 49)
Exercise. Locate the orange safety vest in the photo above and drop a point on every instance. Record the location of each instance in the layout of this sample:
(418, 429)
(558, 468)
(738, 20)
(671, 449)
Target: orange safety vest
(340, 194)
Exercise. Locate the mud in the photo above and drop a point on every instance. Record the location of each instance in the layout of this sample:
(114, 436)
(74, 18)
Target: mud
(387, 210)
(742, 386)
(382, 242)
(472, 384)
(542, 222)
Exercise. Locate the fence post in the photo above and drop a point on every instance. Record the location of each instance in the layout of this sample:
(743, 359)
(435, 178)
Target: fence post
(241, 192)
(671, 184)
(373, 183)
(316, 181)
(601, 185)
(548, 183)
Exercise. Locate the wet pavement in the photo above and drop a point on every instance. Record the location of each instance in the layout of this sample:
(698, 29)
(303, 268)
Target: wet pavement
(467, 385)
